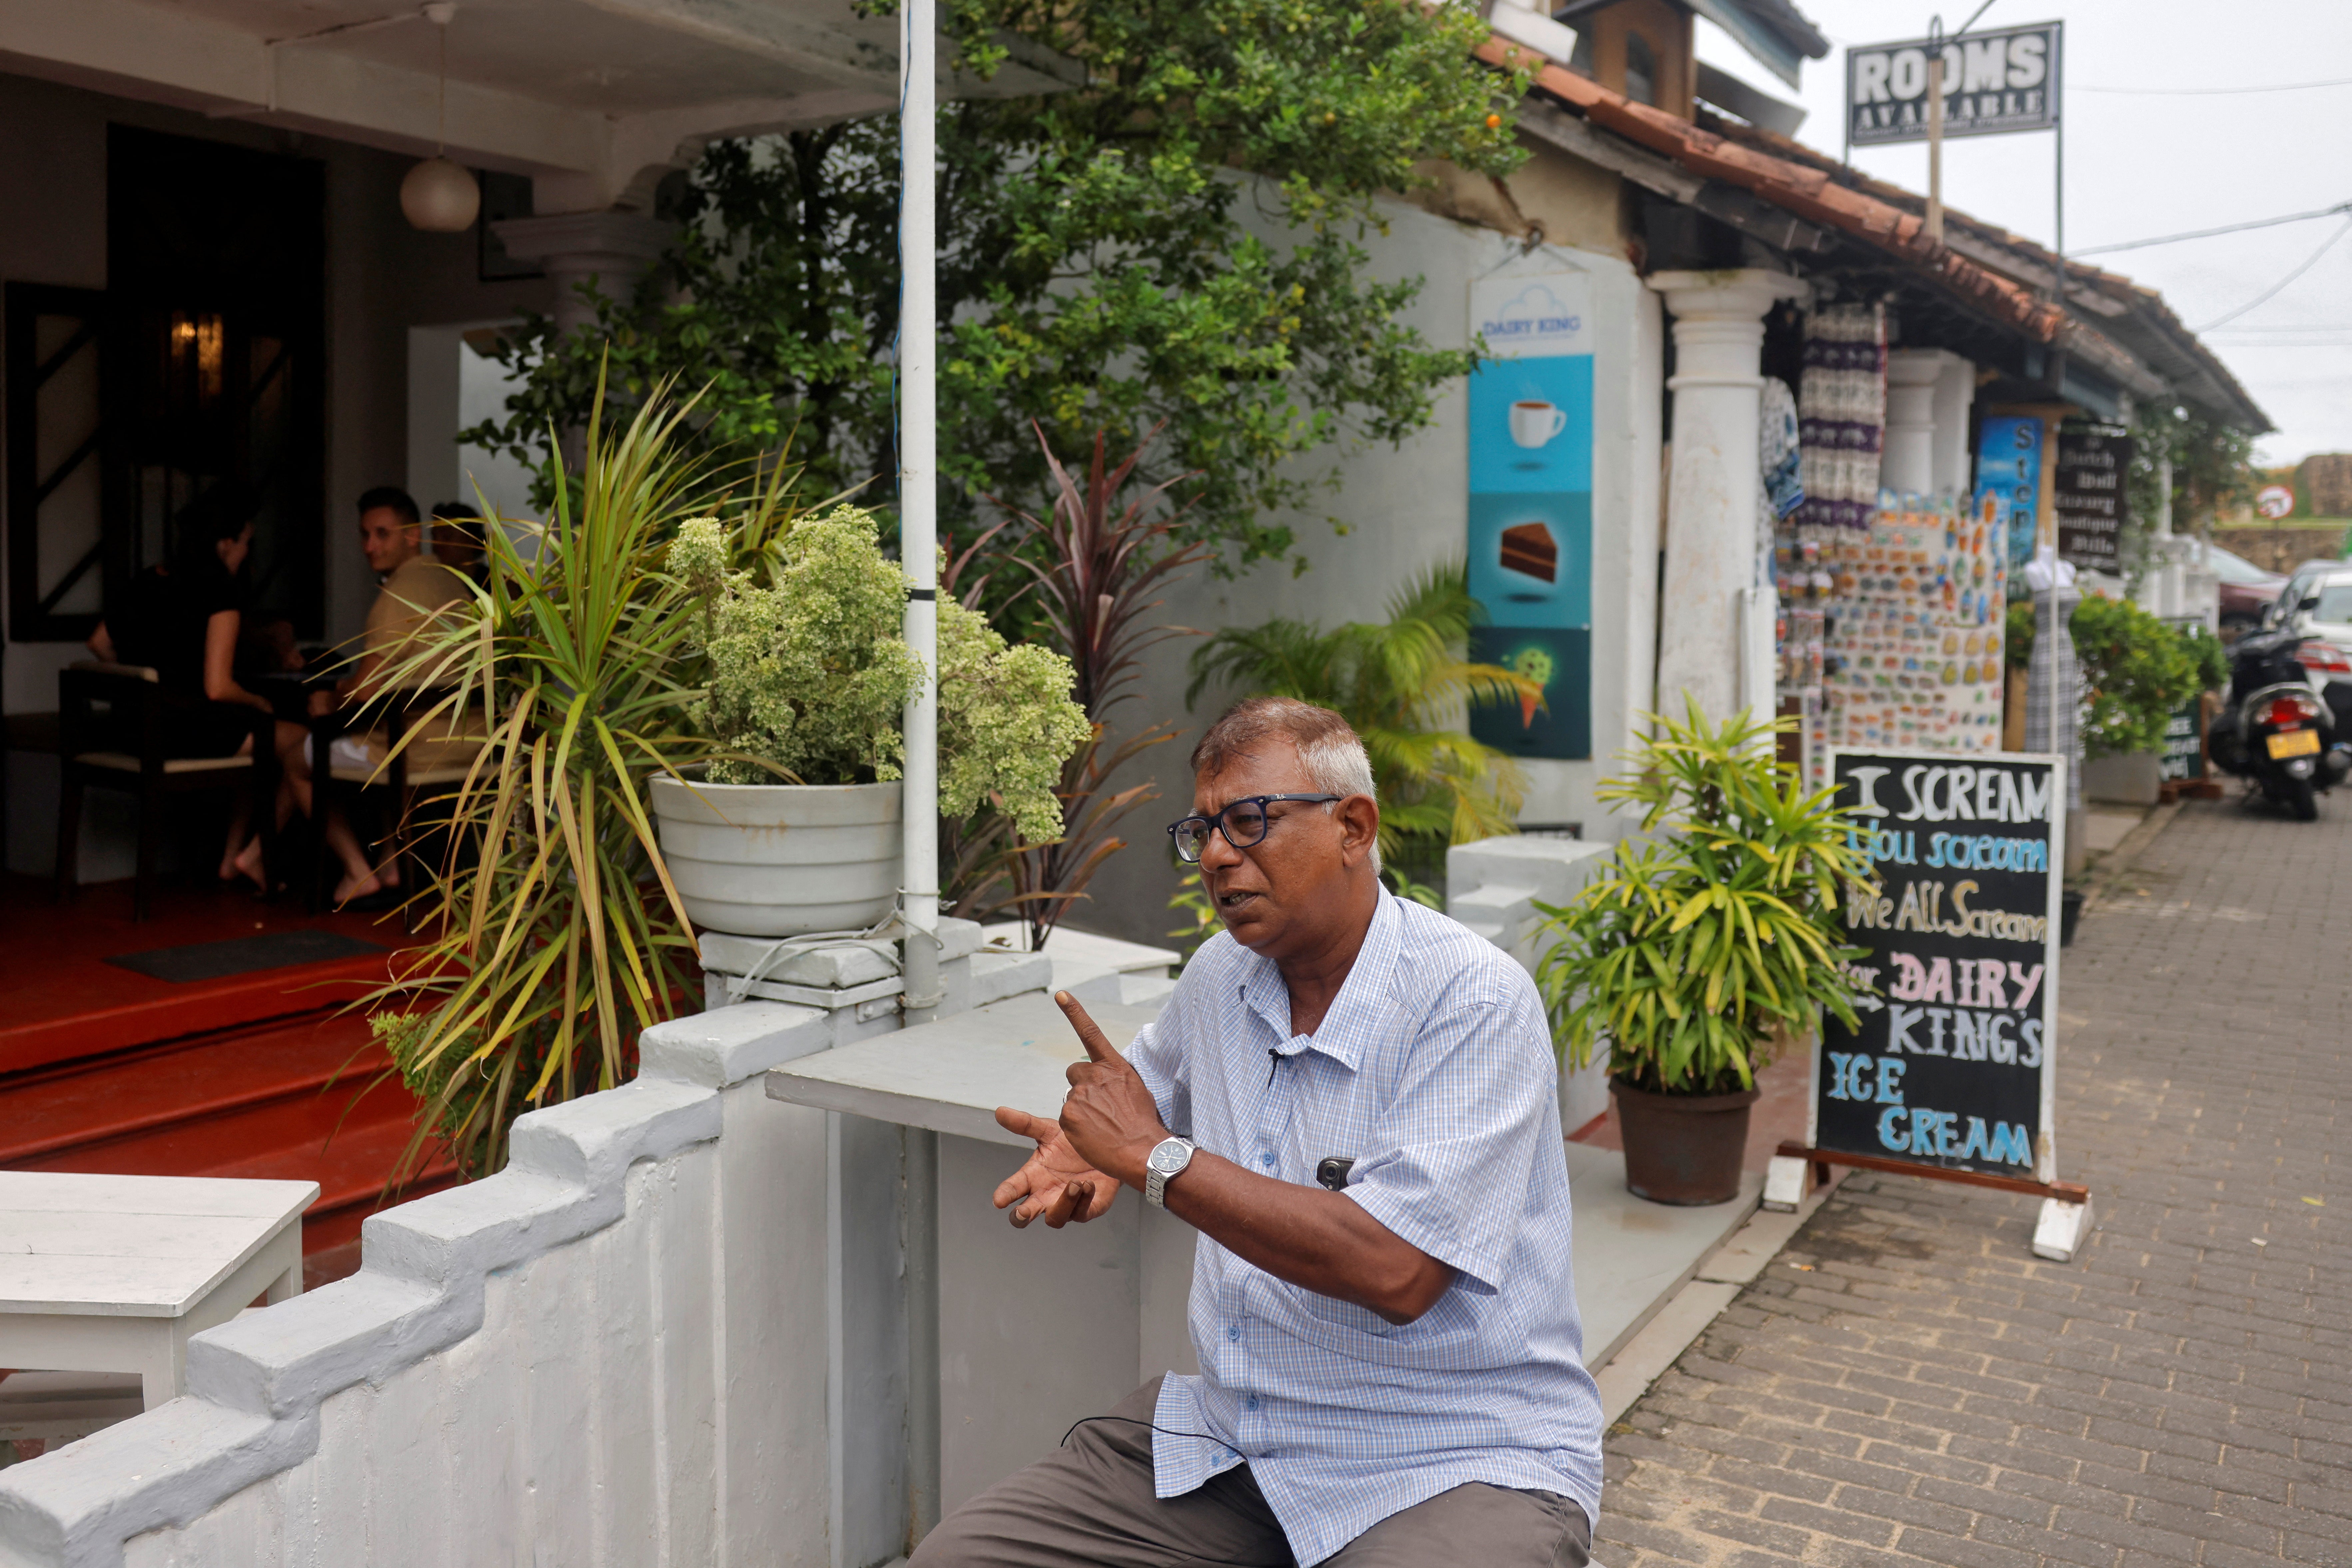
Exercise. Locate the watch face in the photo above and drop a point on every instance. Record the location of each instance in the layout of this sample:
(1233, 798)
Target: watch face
(1168, 1159)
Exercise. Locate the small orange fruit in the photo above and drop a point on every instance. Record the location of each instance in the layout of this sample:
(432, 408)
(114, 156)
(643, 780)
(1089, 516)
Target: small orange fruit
(1494, 122)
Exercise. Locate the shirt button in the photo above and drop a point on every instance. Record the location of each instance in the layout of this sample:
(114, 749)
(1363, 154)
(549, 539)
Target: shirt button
(1252, 1401)
(1235, 1332)
(1266, 1160)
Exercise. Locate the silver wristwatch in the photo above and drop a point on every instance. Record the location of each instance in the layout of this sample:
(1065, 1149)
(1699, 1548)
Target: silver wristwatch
(1167, 1160)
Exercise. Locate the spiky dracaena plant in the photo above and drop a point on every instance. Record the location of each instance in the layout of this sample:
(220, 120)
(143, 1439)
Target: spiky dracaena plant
(1402, 684)
(1094, 594)
(1715, 932)
(555, 934)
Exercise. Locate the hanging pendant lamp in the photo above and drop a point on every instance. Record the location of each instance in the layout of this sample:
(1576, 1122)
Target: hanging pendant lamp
(439, 196)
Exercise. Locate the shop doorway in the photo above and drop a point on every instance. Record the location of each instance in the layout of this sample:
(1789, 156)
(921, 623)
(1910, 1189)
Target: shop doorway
(202, 361)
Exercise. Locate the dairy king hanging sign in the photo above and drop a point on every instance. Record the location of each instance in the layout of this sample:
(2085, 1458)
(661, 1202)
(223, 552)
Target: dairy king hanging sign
(1953, 1067)
(2001, 81)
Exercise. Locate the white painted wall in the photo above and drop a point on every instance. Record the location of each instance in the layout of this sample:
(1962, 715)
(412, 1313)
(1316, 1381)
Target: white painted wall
(452, 388)
(1406, 509)
(670, 1330)
(616, 1350)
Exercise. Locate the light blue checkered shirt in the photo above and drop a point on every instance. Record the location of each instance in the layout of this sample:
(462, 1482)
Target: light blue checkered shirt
(1434, 1070)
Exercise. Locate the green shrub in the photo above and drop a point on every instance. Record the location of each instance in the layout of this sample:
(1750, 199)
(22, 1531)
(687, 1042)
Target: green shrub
(809, 677)
(2138, 669)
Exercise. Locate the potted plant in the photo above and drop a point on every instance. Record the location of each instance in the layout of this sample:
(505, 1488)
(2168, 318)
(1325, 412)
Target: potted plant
(1702, 943)
(551, 935)
(792, 825)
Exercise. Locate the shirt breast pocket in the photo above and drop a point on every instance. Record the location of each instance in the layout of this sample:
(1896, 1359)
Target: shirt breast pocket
(1436, 1337)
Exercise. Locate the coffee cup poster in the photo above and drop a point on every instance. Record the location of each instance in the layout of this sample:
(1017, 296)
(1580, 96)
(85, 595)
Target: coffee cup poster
(1953, 1065)
(1530, 549)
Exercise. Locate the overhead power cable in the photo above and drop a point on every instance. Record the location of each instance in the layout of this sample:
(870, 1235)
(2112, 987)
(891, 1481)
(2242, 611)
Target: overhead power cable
(2309, 262)
(2209, 233)
(2211, 91)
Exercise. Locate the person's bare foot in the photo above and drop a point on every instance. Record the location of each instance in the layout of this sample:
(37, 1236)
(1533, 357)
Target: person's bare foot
(385, 878)
(246, 864)
(353, 887)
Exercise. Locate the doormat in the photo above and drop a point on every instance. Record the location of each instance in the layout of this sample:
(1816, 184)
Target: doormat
(243, 955)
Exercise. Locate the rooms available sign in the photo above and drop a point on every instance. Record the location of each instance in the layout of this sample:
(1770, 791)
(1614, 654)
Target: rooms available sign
(2002, 81)
(1953, 1064)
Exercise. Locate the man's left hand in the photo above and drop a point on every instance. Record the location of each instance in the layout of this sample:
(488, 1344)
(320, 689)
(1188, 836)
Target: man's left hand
(1109, 1117)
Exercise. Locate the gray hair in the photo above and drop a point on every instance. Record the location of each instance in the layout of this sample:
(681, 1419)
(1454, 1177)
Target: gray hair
(1331, 752)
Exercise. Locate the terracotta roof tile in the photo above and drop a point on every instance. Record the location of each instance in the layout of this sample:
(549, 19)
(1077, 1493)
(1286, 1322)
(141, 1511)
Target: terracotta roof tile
(1796, 186)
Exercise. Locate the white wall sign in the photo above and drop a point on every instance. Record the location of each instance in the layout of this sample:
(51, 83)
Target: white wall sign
(2002, 81)
(1523, 317)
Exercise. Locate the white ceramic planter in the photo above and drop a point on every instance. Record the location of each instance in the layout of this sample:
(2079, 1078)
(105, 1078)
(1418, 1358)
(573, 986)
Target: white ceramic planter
(778, 860)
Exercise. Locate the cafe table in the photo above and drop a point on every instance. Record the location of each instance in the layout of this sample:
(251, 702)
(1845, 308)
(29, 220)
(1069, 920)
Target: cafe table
(114, 1273)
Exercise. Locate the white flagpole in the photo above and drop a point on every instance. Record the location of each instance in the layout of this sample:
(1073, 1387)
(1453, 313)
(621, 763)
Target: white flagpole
(918, 492)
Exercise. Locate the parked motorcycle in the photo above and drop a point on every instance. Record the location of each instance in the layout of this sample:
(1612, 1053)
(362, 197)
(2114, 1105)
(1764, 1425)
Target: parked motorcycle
(2275, 732)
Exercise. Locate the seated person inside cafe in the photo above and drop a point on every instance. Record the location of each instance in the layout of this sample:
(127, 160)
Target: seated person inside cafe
(417, 591)
(1353, 1100)
(182, 618)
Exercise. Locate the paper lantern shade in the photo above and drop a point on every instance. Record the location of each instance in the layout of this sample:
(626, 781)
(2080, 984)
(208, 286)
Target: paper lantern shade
(440, 197)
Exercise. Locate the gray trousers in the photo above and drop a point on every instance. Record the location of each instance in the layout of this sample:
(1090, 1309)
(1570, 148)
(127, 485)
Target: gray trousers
(1089, 1505)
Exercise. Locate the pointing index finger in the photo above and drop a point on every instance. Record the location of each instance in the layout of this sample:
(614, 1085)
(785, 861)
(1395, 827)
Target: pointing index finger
(1090, 1034)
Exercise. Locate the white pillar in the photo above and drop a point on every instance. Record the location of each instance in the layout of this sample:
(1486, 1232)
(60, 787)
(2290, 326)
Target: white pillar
(607, 251)
(1955, 393)
(1908, 465)
(1712, 516)
(919, 467)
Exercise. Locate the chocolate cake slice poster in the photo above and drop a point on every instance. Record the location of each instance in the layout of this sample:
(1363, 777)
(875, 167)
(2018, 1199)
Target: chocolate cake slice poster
(1530, 484)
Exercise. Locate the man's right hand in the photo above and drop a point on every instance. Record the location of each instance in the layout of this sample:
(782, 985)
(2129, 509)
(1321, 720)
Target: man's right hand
(1054, 1183)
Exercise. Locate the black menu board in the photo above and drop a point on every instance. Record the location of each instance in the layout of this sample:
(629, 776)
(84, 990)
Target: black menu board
(1953, 1065)
(2088, 498)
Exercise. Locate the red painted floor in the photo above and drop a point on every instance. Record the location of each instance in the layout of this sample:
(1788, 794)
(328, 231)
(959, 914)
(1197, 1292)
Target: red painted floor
(60, 1000)
(1778, 1113)
(260, 1074)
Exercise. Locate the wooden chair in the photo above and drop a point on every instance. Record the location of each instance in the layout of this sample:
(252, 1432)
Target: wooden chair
(110, 736)
(402, 781)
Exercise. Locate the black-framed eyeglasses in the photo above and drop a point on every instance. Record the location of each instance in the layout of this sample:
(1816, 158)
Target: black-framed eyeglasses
(1244, 823)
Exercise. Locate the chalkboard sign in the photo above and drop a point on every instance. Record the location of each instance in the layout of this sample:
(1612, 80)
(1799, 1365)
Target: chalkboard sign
(2088, 498)
(2184, 743)
(1953, 1066)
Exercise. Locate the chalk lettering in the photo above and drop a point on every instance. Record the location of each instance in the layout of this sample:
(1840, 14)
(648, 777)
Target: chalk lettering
(1938, 1017)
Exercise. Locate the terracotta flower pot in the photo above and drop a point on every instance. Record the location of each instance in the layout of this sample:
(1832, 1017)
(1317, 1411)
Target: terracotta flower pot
(1683, 1148)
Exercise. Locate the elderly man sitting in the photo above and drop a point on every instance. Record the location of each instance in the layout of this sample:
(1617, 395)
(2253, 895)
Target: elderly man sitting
(1353, 1100)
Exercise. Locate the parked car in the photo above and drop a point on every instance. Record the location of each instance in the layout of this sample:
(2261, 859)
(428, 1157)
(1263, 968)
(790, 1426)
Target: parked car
(2317, 605)
(2298, 587)
(2247, 592)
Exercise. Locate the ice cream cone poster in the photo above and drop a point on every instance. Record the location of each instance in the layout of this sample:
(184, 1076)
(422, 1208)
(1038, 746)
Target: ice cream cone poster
(1531, 504)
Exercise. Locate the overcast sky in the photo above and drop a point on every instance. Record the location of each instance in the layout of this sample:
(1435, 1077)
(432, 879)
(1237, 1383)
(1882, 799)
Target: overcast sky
(2158, 161)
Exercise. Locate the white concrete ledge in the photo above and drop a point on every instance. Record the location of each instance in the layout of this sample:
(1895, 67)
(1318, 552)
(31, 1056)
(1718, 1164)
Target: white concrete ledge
(255, 1383)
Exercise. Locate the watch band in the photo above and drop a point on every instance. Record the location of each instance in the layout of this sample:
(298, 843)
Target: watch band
(1155, 1180)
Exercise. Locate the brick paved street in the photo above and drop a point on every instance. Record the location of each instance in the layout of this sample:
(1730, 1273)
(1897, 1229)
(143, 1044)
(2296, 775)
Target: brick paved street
(1908, 1383)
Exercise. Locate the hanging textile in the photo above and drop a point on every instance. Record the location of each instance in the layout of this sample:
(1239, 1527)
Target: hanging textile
(2054, 678)
(1781, 488)
(1843, 415)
